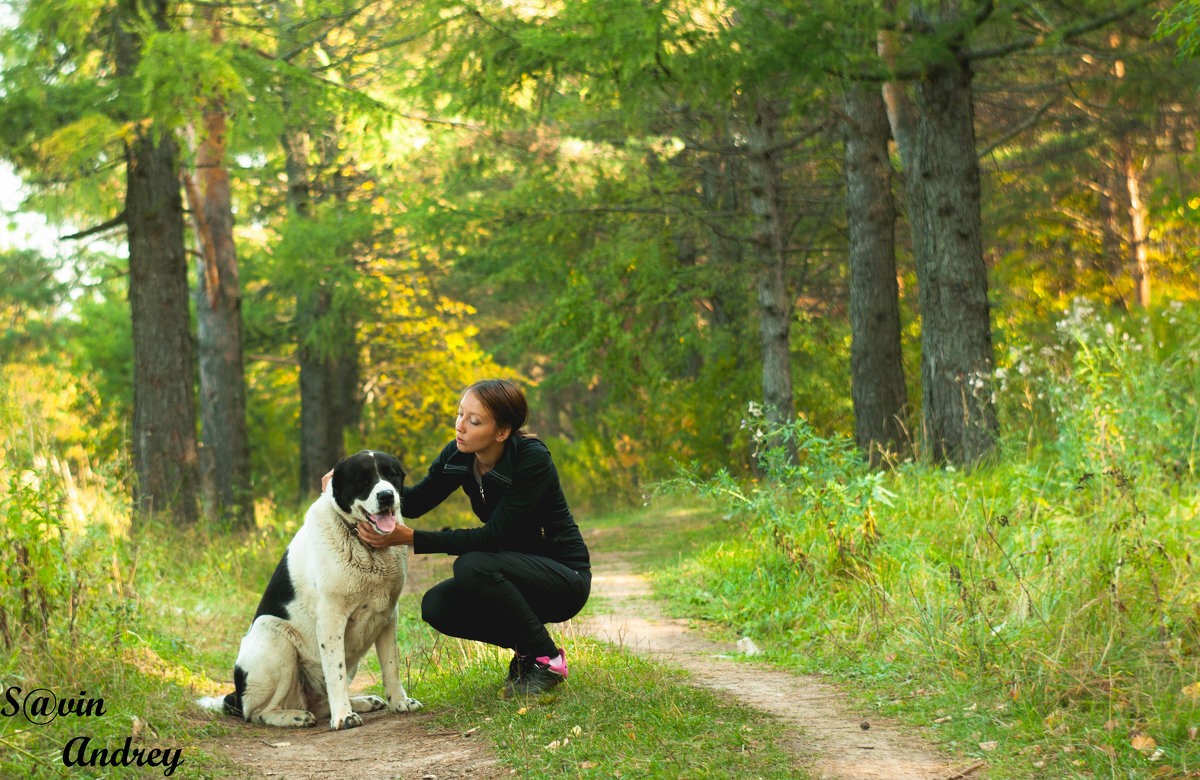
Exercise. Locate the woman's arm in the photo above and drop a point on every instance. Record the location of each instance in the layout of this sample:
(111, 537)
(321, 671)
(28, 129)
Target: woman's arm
(433, 489)
(514, 522)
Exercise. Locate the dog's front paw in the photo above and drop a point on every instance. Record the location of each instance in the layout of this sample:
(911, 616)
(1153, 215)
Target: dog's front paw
(349, 721)
(406, 704)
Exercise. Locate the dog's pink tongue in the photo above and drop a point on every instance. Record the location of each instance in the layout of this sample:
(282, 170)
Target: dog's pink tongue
(385, 522)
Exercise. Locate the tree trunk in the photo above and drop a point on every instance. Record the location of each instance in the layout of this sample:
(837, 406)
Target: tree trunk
(225, 453)
(1139, 232)
(877, 387)
(329, 374)
(956, 339)
(769, 246)
(164, 408)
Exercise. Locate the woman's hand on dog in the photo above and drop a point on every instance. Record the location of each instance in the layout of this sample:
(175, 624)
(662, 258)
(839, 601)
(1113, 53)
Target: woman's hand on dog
(401, 534)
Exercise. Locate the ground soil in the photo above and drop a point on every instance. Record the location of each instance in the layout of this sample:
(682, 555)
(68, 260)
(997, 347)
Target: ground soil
(828, 738)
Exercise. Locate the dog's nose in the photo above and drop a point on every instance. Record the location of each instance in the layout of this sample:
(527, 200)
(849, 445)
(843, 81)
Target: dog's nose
(386, 498)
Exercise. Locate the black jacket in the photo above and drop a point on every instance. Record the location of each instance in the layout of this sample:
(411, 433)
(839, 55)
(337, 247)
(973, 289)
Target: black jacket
(522, 505)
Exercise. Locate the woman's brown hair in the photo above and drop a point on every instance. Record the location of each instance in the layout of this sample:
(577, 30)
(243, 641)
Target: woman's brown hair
(505, 401)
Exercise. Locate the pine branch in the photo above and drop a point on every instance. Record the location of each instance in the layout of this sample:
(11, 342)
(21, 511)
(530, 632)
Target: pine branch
(120, 219)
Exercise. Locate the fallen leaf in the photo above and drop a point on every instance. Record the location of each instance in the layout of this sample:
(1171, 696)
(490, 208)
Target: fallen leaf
(523, 710)
(1193, 733)
(576, 731)
(1192, 691)
(1143, 742)
(588, 765)
(989, 746)
(1111, 725)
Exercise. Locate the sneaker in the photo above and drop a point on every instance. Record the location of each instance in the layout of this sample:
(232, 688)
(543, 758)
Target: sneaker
(543, 674)
(514, 667)
(517, 668)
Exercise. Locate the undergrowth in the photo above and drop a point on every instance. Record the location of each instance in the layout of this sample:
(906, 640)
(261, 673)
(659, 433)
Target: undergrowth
(1042, 613)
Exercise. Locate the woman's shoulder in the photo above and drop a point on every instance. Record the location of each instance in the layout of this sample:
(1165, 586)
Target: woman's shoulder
(530, 445)
(530, 452)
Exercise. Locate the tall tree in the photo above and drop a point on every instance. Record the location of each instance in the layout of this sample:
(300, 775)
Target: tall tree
(164, 433)
(944, 208)
(225, 451)
(878, 387)
(769, 245)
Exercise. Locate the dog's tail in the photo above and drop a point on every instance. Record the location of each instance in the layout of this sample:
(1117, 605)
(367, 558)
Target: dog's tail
(230, 702)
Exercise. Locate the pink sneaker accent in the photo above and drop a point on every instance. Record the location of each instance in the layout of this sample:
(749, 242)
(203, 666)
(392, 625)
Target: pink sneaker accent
(557, 664)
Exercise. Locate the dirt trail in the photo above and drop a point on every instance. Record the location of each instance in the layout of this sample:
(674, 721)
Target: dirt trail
(827, 739)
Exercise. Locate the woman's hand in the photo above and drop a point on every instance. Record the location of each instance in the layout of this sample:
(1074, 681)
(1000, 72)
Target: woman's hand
(401, 534)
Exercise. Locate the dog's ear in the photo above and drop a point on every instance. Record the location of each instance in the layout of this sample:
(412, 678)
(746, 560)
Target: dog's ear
(338, 475)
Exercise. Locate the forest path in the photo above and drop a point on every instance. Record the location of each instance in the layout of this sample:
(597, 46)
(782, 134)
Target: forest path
(825, 736)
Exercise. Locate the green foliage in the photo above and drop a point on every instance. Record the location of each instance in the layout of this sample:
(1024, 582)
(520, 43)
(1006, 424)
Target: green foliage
(1110, 390)
(54, 582)
(1182, 22)
(183, 75)
(29, 293)
(1049, 600)
(816, 500)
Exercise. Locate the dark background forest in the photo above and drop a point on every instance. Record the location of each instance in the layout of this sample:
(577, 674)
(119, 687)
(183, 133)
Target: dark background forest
(291, 230)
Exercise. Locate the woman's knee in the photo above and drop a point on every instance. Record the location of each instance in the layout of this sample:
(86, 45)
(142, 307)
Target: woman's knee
(437, 604)
(475, 568)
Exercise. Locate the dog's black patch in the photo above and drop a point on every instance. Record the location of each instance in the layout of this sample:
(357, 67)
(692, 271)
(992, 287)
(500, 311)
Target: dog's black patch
(233, 701)
(279, 593)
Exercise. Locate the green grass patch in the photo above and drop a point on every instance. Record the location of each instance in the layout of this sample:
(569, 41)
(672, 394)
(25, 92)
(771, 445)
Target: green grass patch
(618, 715)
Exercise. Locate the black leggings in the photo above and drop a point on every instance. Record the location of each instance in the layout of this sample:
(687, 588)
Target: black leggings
(506, 599)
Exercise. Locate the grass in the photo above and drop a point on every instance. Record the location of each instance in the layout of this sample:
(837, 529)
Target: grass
(1044, 626)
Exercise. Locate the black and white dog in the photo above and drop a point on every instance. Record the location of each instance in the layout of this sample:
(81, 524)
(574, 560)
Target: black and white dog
(330, 599)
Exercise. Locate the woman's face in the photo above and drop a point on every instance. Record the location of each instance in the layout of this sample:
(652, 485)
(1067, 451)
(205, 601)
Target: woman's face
(475, 429)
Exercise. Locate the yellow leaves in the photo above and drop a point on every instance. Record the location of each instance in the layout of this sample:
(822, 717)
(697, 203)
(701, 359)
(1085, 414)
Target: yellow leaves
(1192, 691)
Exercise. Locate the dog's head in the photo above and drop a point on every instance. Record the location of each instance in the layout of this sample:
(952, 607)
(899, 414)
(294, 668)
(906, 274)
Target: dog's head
(366, 486)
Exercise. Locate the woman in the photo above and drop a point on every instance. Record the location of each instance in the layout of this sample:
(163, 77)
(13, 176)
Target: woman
(527, 565)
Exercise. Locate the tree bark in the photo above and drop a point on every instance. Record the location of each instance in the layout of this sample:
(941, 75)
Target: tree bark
(769, 241)
(225, 453)
(164, 408)
(878, 388)
(1139, 231)
(956, 339)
